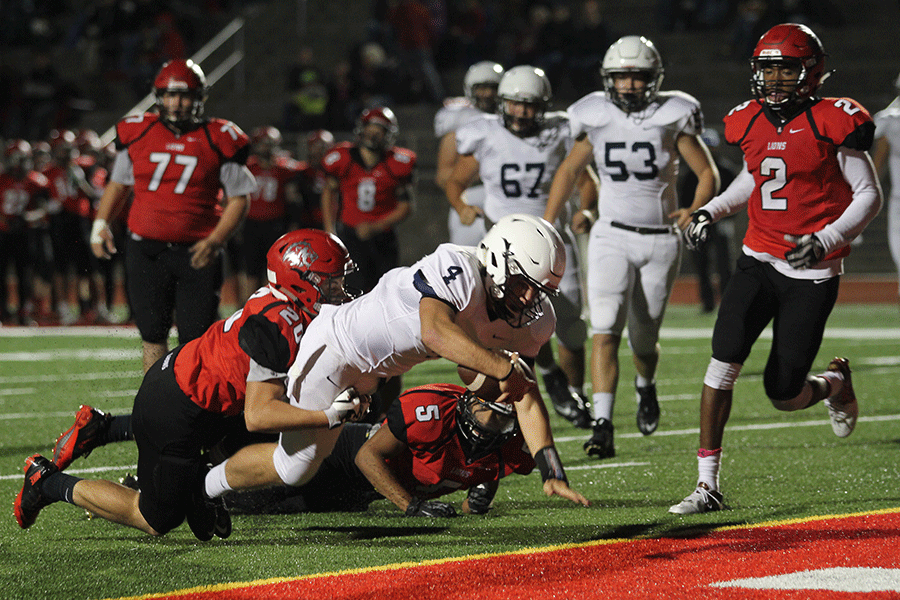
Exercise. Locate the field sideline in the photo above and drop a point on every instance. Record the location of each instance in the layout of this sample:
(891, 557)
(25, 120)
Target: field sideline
(783, 475)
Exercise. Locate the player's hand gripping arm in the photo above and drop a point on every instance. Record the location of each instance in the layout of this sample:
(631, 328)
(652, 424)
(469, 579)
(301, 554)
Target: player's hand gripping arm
(462, 176)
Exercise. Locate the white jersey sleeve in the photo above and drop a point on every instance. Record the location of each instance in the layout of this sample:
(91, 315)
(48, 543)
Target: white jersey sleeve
(455, 113)
(635, 153)
(887, 125)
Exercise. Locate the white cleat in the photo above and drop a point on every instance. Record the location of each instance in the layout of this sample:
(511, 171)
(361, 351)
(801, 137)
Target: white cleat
(843, 409)
(701, 500)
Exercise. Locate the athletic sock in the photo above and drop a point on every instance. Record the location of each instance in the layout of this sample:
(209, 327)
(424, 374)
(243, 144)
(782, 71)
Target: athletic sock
(602, 405)
(215, 483)
(119, 430)
(643, 382)
(835, 381)
(59, 487)
(708, 462)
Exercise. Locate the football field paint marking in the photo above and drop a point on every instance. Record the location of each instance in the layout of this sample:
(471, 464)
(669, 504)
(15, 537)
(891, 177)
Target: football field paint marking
(78, 471)
(756, 427)
(669, 568)
(838, 579)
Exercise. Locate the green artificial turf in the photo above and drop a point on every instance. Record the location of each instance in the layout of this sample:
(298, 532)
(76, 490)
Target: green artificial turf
(776, 466)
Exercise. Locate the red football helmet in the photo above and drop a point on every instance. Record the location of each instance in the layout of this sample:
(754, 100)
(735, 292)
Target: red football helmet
(265, 141)
(307, 267)
(379, 116)
(185, 76)
(795, 45)
(318, 143)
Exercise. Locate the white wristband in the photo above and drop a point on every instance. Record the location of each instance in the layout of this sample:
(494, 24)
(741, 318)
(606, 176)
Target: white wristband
(98, 226)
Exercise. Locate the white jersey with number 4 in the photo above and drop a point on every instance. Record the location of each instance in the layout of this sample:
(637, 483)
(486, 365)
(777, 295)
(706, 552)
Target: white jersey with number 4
(636, 156)
(516, 172)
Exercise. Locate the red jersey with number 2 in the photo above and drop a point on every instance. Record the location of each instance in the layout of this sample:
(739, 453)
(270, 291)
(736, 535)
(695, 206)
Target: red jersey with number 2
(368, 194)
(435, 464)
(799, 184)
(176, 177)
(212, 369)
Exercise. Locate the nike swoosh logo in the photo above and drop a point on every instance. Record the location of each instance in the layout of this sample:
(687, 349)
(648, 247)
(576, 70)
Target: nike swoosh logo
(818, 281)
(796, 130)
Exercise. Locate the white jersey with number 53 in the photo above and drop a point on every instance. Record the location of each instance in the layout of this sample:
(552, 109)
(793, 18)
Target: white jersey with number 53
(636, 157)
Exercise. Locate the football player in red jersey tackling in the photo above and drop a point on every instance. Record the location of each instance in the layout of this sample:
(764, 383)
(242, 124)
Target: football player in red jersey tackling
(368, 193)
(190, 399)
(810, 188)
(175, 162)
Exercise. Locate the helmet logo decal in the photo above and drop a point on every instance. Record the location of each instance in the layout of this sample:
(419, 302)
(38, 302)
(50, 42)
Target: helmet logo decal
(300, 254)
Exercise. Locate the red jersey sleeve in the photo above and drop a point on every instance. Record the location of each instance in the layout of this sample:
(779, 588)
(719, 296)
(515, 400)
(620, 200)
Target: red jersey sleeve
(337, 162)
(401, 163)
(212, 369)
(229, 140)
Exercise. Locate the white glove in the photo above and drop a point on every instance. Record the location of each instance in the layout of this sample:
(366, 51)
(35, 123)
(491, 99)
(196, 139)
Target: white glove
(697, 231)
(345, 406)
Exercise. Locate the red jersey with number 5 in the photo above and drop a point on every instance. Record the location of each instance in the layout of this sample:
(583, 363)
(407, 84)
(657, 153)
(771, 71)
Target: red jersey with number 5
(435, 463)
(212, 369)
(799, 184)
(368, 194)
(176, 177)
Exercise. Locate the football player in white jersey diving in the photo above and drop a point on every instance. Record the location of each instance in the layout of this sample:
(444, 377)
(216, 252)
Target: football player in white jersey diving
(460, 303)
(516, 153)
(637, 136)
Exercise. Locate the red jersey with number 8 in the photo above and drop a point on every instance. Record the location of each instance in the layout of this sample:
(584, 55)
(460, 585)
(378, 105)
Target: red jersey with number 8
(176, 177)
(368, 194)
(799, 184)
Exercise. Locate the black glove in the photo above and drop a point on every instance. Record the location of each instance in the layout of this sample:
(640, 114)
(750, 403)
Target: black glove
(697, 231)
(480, 498)
(429, 508)
(806, 253)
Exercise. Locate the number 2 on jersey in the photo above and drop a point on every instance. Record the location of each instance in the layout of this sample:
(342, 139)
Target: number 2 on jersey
(775, 169)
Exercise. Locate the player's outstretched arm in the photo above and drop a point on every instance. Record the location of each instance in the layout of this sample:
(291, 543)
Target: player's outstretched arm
(372, 462)
(567, 175)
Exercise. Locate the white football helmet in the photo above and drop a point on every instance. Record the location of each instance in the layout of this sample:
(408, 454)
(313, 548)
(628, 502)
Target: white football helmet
(487, 73)
(528, 246)
(632, 54)
(529, 85)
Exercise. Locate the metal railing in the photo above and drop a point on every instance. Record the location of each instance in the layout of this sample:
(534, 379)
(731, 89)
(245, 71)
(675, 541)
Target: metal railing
(235, 29)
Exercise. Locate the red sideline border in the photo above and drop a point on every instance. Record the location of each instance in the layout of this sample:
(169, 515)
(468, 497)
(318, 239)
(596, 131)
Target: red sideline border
(670, 568)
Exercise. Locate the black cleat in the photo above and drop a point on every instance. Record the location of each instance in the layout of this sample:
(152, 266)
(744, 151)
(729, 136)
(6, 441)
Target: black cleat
(601, 442)
(648, 408)
(570, 405)
(30, 501)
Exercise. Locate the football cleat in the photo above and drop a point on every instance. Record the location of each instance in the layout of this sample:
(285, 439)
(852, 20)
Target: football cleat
(648, 408)
(208, 516)
(842, 407)
(701, 500)
(82, 437)
(601, 442)
(30, 500)
(568, 404)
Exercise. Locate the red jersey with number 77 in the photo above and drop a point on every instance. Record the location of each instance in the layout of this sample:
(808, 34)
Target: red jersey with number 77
(176, 177)
(799, 184)
(368, 194)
